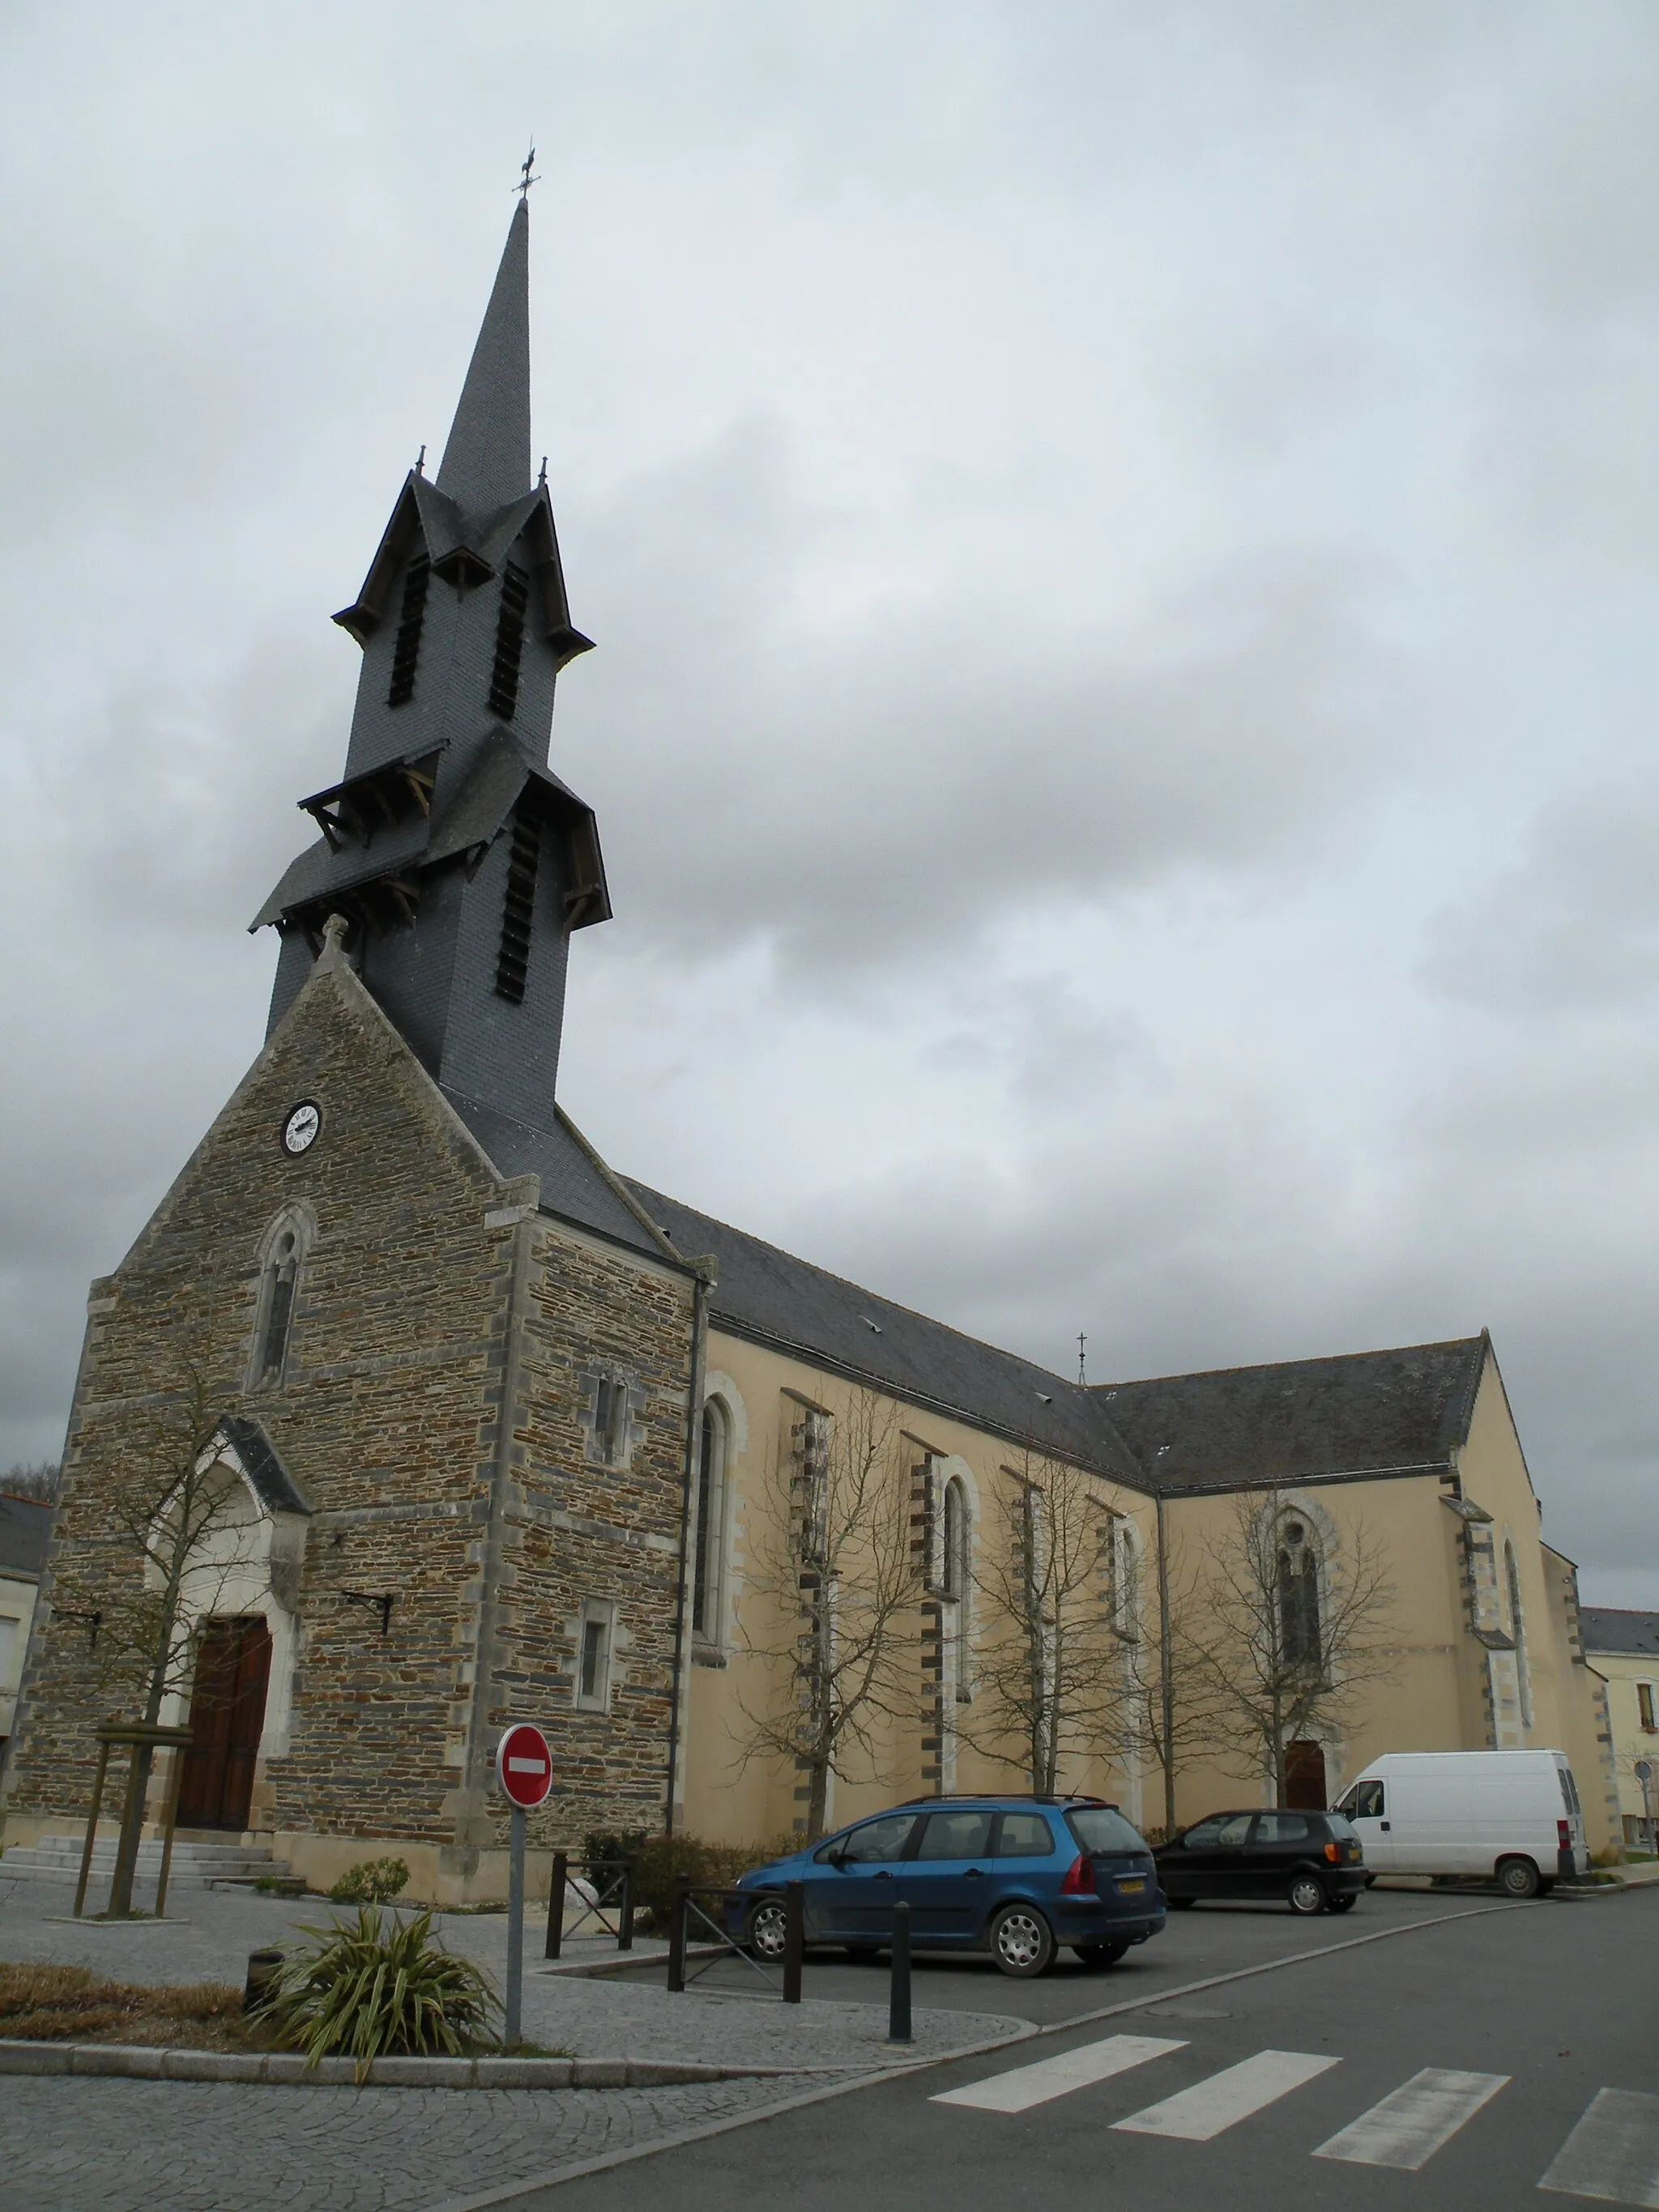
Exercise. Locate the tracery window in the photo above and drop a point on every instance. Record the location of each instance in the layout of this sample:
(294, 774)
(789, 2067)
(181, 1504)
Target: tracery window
(1300, 1630)
(285, 1246)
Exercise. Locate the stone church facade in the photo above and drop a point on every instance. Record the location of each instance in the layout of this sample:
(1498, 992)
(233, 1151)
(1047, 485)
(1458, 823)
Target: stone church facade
(506, 1430)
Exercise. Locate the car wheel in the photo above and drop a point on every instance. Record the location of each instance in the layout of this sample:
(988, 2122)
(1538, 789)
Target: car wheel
(1518, 1877)
(766, 1932)
(1021, 1941)
(1306, 1894)
(1345, 1904)
(1100, 1955)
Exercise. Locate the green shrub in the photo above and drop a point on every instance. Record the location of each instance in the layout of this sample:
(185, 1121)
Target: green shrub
(372, 1881)
(380, 1988)
(656, 1860)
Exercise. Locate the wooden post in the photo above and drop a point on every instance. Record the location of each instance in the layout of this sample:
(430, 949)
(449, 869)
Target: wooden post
(175, 1783)
(92, 1825)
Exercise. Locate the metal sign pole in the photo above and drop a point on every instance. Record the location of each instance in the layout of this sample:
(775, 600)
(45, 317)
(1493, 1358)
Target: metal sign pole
(515, 1926)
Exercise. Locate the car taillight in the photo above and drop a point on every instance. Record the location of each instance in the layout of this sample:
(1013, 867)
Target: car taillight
(1080, 1878)
(1333, 1852)
(1564, 1834)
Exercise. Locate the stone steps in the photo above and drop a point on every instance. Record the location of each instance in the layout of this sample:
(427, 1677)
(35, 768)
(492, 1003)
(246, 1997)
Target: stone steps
(194, 1866)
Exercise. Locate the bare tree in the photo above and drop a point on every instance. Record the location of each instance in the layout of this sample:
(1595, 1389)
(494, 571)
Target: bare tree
(176, 1529)
(1177, 1712)
(1051, 1677)
(1287, 1634)
(38, 1481)
(831, 1584)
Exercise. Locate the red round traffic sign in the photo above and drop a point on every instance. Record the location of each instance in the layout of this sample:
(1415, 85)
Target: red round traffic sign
(524, 1764)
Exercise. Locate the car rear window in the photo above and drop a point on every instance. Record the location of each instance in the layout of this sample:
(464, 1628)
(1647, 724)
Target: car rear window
(1343, 1830)
(1099, 1829)
(1024, 1836)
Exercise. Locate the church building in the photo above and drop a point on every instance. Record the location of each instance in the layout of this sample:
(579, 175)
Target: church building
(505, 1436)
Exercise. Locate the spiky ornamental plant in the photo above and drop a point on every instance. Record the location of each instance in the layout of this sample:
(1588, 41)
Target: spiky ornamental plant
(378, 1988)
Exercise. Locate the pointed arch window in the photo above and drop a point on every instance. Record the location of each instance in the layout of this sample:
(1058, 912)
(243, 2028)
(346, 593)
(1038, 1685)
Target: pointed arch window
(283, 1260)
(708, 1533)
(1301, 1633)
(955, 1570)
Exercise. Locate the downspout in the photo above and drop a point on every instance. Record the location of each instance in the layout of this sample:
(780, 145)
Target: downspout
(693, 1450)
(1165, 1654)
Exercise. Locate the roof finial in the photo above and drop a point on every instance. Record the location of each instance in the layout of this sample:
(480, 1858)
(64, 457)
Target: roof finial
(420, 462)
(543, 478)
(1082, 1379)
(525, 179)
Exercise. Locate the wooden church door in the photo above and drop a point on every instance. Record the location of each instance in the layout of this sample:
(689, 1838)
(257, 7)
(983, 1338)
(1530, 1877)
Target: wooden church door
(227, 1714)
(1305, 1777)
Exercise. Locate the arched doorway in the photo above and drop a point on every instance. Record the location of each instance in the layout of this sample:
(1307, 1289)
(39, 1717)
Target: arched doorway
(1305, 1777)
(226, 1718)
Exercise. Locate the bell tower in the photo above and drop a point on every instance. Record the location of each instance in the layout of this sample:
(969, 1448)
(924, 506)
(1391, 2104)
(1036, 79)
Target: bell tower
(460, 863)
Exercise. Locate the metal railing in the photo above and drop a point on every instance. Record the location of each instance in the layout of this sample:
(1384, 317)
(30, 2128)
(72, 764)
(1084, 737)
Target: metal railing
(686, 1908)
(613, 1888)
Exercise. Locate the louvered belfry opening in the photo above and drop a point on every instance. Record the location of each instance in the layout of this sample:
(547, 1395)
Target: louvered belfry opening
(509, 642)
(407, 650)
(513, 962)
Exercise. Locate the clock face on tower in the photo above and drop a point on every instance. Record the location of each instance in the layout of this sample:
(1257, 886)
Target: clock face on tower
(300, 1129)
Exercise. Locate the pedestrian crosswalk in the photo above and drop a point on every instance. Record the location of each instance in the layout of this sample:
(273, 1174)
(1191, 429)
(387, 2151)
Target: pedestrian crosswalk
(1611, 2156)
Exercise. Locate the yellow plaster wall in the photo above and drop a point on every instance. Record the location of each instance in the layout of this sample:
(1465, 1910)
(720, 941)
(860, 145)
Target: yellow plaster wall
(730, 1797)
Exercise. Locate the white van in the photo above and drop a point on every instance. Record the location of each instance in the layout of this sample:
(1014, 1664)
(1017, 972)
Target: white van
(1514, 1814)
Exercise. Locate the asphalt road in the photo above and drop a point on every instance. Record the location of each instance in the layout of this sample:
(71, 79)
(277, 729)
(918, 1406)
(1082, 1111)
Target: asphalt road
(1454, 2068)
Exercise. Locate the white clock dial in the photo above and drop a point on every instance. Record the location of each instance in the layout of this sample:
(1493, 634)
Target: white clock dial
(300, 1130)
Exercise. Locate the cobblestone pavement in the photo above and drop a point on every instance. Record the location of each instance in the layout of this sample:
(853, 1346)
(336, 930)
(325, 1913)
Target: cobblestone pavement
(128, 2146)
(615, 2018)
(67, 2146)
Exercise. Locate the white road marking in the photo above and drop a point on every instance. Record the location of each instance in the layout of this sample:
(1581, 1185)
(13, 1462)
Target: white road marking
(1612, 2154)
(1202, 2112)
(1411, 2122)
(1025, 2085)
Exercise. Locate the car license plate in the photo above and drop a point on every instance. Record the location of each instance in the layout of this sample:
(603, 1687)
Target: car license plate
(1139, 1883)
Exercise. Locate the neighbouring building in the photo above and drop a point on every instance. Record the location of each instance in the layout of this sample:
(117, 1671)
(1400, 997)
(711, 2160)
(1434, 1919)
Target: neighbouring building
(502, 1435)
(25, 1525)
(1623, 1648)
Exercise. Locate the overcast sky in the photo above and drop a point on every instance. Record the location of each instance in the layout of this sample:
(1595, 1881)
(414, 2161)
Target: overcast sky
(1122, 543)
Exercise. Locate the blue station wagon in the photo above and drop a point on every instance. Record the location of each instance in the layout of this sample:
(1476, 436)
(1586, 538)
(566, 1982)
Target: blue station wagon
(1015, 1876)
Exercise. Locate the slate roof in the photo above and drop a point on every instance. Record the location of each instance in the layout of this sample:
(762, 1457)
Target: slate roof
(25, 1527)
(573, 1181)
(1364, 1412)
(491, 788)
(261, 1463)
(770, 1296)
(1376, 1414)
(1612, 1629)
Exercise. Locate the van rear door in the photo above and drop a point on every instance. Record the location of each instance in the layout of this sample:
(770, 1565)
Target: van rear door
(1574, 1857)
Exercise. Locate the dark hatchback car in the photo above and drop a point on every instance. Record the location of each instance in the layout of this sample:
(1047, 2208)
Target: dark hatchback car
(1015, 1876)
(1312, 1862)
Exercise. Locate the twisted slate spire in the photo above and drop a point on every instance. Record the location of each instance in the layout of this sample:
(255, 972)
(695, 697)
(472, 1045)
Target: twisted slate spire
(487, 460)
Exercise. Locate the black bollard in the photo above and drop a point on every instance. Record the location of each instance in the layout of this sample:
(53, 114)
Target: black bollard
(898, 2001)
(625, 1928)
(794, 1940)
(679, 1912)
(261, 1966)
(555, 1907)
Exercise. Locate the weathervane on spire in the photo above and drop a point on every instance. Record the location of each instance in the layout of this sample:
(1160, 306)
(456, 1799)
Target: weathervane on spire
(1081, 1341)
(522, 187)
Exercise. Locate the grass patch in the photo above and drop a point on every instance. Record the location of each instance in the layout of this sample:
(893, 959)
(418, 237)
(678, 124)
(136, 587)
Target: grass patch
(54, 2004)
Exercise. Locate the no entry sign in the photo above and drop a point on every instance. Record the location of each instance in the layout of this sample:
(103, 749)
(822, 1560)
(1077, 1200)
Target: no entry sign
(524, 1765)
